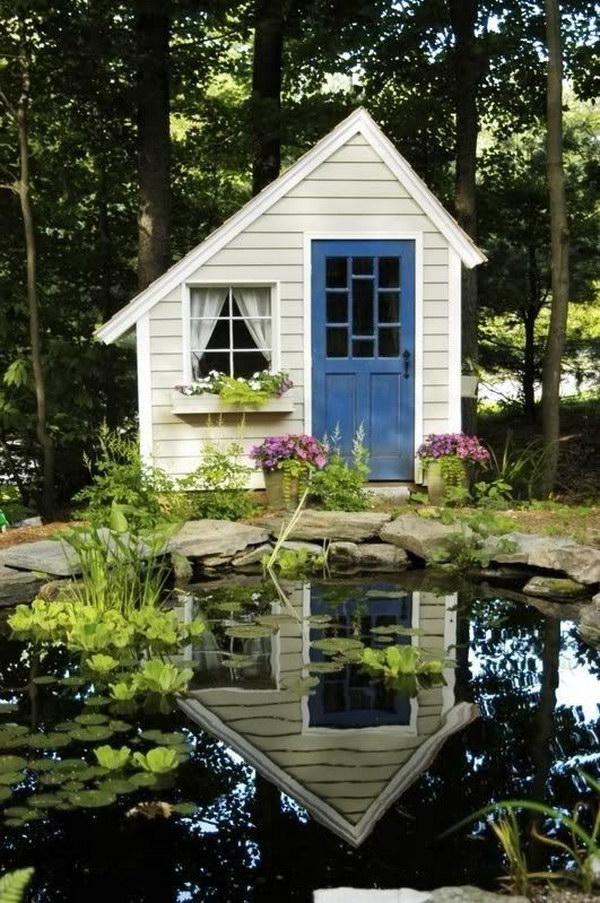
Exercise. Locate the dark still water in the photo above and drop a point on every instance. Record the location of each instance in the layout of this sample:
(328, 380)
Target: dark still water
(307, 770)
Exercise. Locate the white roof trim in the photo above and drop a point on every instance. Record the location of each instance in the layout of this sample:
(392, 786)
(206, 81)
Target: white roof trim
(358, 122)
(352, 832)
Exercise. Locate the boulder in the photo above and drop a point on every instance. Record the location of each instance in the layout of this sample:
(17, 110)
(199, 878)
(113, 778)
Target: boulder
(419, 535)
(17, 587)
(47, 556)
(220, 538)
(589, 625)
(465, 894)
(551, 553)
(252, 559)
(558, 588)
(297, 545)
(468, 894)
(350, 557)
(338, 526)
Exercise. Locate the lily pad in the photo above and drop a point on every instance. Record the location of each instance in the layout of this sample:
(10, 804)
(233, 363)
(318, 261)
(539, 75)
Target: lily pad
(335, 645)
(10, 777)
(97, 701)
(226, 606)
(142, 779)
(71, 765)
(165, 739)
(317, 620)
(385, 594)
(91, 799)
(118, 786)
(248, 631)
(5, 793)
(92, 733)
(54, 778)
(8, 707)
(44, 679)
(12, 763)
(17, 811)
(65, 726)
(91, 718)
(120, 727)
(72, 786)
(185, 808)
(325, 667)
(73, 681)
(92, 771)
(397, 630)
(44, 800)
(274, 621)
(53, 740)
(238, 661)
(303, 686)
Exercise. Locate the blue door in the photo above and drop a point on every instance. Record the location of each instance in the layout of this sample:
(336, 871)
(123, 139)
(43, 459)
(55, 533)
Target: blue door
(363, 326)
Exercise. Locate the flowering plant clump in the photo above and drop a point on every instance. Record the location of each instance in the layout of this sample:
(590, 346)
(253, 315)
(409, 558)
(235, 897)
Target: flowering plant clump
(453, 445)
(239, 389)
(275, 452)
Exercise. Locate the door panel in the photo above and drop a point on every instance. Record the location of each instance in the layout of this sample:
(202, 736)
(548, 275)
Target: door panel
(363, 348)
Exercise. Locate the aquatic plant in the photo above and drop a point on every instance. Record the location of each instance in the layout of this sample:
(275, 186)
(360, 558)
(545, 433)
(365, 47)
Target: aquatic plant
(14, 884)
(160, 760)
(396, 661)
(156, 676)
(112, 759)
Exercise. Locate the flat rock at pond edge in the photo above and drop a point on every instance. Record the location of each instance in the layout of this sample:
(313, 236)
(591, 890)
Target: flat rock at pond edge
(582, 563)
(589, 625)
(17, 586)
(554, 588)
(350, 557)
(252, 558)
(47, 556)
(223, 538)
(465, 894)
(419, 535)
(341, 526)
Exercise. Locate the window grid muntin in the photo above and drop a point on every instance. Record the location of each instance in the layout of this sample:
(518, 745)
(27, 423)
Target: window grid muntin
(197, 355)
(348, 292)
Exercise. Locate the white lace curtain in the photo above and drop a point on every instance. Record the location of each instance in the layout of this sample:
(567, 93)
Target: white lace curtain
(208, 304)
(256, 302)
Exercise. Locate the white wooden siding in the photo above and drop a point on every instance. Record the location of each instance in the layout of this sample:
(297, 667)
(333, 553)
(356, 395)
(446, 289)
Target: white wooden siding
(353, 192)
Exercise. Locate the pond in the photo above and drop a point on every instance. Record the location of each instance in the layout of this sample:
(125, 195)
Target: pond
(302, 767)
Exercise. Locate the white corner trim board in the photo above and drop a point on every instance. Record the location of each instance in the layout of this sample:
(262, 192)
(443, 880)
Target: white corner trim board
(358, 122)
(144, 386)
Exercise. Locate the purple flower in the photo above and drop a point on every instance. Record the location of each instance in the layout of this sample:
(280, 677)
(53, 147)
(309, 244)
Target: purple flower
(455, 445)
(291, 447)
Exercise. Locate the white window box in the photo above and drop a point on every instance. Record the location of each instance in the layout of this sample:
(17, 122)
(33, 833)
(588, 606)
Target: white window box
(212, 404)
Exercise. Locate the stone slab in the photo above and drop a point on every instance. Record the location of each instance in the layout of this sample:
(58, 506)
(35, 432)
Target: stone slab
(419, 535)
(17, 587)
(340, 526)
(46, 556)
(468, 894)
(223, 538)
(252, 558)
(589, 625)
(351, 557)
(465, 894)
(551, 553)
(557, 588)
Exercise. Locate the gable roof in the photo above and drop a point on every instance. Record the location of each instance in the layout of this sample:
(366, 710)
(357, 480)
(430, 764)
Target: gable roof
(358, 122)
(310, 794)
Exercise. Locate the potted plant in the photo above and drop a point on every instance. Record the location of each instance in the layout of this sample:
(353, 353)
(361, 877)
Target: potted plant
(445, 457)
(287, 462)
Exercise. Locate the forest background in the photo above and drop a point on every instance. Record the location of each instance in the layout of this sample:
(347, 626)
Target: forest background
(131, 130)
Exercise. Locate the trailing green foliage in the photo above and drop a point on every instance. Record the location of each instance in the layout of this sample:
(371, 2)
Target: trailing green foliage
(14, 884)
(340, 485)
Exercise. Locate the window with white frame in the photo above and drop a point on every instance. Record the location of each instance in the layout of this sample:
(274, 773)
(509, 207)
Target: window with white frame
(231, 329)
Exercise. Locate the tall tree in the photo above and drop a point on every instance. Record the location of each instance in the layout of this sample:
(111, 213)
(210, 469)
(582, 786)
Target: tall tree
(20, 113)
(267, 75)
(559, 239)
(153, 108)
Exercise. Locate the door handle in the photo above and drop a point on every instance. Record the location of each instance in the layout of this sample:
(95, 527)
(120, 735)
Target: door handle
(406, 356)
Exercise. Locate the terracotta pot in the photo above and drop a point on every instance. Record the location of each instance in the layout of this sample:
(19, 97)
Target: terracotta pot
(282, 491)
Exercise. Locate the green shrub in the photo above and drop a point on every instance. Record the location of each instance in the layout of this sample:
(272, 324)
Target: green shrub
(340, 485)
(217, 488)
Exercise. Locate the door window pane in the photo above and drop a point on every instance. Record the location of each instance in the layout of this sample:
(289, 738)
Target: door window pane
(389, 342)
(362, 266)
(337, 342)
(336, 269)
(337, 307)
(362, 348)
(389, 272)
(362, 307)
(389, 307)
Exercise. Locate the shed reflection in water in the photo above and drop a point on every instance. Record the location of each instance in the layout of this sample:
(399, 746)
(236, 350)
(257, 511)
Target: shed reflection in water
(349, 749)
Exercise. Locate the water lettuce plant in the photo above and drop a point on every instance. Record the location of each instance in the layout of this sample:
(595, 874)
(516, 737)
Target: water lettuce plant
(396, 661)
(156, 676)
(160, 760)
(112, 759)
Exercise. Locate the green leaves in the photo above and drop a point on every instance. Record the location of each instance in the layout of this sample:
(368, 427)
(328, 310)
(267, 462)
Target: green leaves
(12, 763)
(162, 677)
(102, 664)
(337, 645)
(14, 884)
(398, 661)
(160, 760)
(112, 759)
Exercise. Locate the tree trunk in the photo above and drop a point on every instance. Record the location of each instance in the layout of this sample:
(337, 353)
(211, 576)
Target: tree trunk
(529, 318)
(39, 379)
(559, 231)
(267, 73)
(468, 71)
(154, 212)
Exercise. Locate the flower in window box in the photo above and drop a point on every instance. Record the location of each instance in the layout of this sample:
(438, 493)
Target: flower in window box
(239, 390)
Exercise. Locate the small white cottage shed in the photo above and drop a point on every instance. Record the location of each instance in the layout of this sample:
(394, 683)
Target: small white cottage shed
(345, 272)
